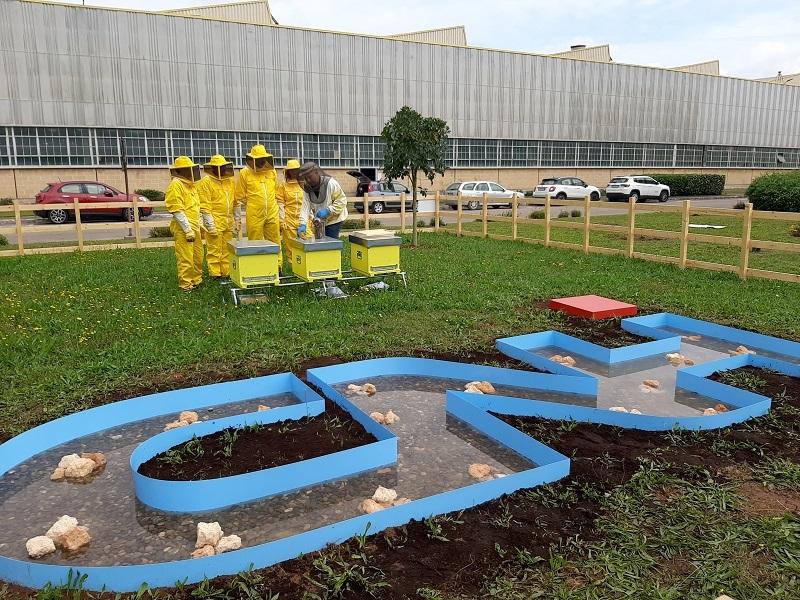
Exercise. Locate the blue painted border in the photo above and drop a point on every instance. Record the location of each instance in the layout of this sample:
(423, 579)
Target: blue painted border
(211, 494)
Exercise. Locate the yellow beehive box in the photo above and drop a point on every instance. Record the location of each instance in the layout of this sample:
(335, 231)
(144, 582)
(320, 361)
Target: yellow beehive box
(375, 252)
(254, 263)
(315, 260)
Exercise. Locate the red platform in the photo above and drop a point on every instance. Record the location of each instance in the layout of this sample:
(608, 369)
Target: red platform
(593, 307)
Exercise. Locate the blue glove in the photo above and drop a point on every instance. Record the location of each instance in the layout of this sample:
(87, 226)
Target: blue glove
(301, 231)
(323, 213)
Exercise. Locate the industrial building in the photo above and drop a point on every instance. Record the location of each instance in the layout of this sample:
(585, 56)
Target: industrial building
(78, 81)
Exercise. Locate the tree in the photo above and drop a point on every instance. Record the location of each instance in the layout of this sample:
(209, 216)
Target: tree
(414, 143)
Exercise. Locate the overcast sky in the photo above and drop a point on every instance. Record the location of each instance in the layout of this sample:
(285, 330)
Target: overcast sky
(750, 38)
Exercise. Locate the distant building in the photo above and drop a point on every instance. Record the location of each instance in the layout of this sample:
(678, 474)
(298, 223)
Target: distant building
(210, 79)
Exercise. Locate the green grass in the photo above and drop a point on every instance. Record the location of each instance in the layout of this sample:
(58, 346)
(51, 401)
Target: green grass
(78, 327)
(764, 230)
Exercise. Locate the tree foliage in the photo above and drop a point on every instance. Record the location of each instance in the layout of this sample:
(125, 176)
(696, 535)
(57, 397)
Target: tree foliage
(414, 143)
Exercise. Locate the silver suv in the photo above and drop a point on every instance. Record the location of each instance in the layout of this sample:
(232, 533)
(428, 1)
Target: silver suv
(472, 194)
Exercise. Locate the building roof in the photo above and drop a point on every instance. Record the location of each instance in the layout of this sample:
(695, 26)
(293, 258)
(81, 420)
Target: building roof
(252, 11)
(591, 53)
(710, 67)
(452, 36)
(790, 79)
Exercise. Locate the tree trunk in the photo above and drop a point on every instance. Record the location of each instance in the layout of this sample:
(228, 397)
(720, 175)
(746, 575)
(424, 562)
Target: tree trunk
(414, 235)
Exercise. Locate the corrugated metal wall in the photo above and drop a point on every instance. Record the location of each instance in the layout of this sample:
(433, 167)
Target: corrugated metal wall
(256, 12)
(452, 36)
(97, 67)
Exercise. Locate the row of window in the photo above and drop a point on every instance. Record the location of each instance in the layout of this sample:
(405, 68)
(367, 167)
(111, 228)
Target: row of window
(56, 146)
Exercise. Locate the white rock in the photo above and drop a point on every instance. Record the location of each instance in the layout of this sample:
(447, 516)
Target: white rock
(82, 467)
(471, 389)
(40, 546)
(353, 387)
(75, 539)
(228, 543)
(652, 383)
(378, 417)
(479, 470)
(500, 475)
(635, 411)
(175, 425)
(369, 506)
(262, 407)
(369, 388)
(189, 416)
(709, 412)
(401, 501)
(62, 526)
(203, 552)
(57, 474)
(67, 460)
(384, 495)
(208, 534)
(618, 409)
(391, 418)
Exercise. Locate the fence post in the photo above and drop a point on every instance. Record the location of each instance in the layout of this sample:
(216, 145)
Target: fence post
(18, 225)
(485, 214)
(78, 225)
(137, 232)
(366, 211)
(547, 219)
(747, 227)
(436, 212)
(685, 233)
(587, 208)
(402, 212)
(514, 211)
(631, 225)
(460, 211)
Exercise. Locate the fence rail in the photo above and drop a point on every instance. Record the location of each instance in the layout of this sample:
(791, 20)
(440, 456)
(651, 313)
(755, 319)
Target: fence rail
(630, 231)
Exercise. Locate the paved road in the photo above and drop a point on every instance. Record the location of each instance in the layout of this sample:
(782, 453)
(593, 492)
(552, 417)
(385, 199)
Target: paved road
(62, 233)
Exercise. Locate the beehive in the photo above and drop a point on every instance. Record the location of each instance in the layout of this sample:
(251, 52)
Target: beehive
(254, 263)
(375, 252)
(314, 260)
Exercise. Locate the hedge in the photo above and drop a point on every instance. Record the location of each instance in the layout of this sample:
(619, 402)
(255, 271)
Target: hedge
(681, 184)
(776, 191)
(152, 195)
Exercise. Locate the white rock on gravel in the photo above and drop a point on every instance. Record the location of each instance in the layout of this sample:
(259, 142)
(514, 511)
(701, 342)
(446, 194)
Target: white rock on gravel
(384, 495)
(204, 551)
(75, 539)
(62, 526)
(40, 546)
(81, 467)
(618, 409)
(479, 470)
(208, 534)
(369, 506)
(67, 460)
(57, 474)
(228, 543)
(391, 418)
(189, 416)
(378, 417)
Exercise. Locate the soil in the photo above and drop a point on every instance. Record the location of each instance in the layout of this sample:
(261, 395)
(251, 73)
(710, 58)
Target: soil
(605, 332)
(773, 380)
(257, 448)
(531, 520)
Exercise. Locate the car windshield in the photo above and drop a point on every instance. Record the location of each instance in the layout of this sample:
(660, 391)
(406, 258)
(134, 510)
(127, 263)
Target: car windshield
(453, 187)
(548, 181)
(619, 180)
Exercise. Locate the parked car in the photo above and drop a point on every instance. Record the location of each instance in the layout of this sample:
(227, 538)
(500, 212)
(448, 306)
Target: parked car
(386, 193)
(472, 193)
(565, 187)
(50, 200)
(638, 187)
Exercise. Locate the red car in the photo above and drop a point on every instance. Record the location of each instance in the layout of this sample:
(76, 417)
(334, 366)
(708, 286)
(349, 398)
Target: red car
(65, 192)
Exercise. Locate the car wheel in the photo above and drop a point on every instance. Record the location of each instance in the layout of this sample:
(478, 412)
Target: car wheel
(595, 196)
(377, 208)
(561, 196)
(663, 196)
(473, 205)
(127, 214)
(634, 196)
(58, 216)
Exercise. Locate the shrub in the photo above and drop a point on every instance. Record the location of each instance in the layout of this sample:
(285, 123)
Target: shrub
(3, 240)
(740, 205)
(691, 185)
(433, 222)
(152, 195)
(537, 214)
(794, 230)
(575, 213)
(563, 214)
(160, 232)
(776, 191)
(6, 202)
(350, 225)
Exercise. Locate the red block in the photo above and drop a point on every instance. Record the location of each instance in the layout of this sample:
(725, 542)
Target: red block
(593, 307)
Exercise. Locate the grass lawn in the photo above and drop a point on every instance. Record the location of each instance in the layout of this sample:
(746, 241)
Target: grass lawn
(81, 329)
(764, 230)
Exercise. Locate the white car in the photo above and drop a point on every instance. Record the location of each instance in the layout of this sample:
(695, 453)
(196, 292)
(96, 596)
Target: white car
(566, 187)
(472, 192)
(638, 187)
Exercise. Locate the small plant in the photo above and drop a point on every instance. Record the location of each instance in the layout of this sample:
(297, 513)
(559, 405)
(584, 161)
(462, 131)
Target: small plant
(160, 232)
(779, 473)
(794, 230)
(429, 593)
(740, 205)
(433, 222)
(575, 213)
(172, 457)
(194, 448)
(152, 195)
(3, 240)
(563, 214)
(743, 379)
(537, 214)
(6, 201)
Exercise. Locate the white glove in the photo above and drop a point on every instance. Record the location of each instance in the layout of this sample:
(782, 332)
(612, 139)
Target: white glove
(237, 216)
(208, 221)
(183, 221)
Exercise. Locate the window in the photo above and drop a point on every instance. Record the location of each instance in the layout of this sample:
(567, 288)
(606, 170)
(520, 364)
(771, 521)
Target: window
(579, 182)
(495, 188)
(94, 189)
(134, 144)
(452, 188)
(482, 187)
(53, 146)
(688, 156)
(204, 145)
(107, 146)
(182, 144)
(468, 187)
(627, 155)
(290, 146)
(4, 158)
(658, 155)
(310, 148)
(226, 145)
(80, 146)
(26, 146)
(558, 154)
(71, 188)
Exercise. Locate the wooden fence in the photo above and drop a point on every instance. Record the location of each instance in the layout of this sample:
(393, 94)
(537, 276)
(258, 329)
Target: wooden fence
(630, 231)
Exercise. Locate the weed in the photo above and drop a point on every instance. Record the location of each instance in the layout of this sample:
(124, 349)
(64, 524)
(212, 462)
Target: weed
(352, 224)
(740, 205)
(435, 526)
(794, 230)
(537, 214)
(429, 594)
(563, 214)
(3, 240)
(742, 379)
(575, 213)
(6, 201)
(160, 232)
(779, 473)
(172, 457)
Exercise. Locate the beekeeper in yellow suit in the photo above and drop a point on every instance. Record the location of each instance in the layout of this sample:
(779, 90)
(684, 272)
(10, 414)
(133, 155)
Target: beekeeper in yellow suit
(290, 203)
(182, 201)
(216, 212)
(255, 190)
(323, 199)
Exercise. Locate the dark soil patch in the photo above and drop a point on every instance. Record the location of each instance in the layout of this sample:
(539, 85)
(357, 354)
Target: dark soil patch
(760, 381)
(605, 332)
(234, 451)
